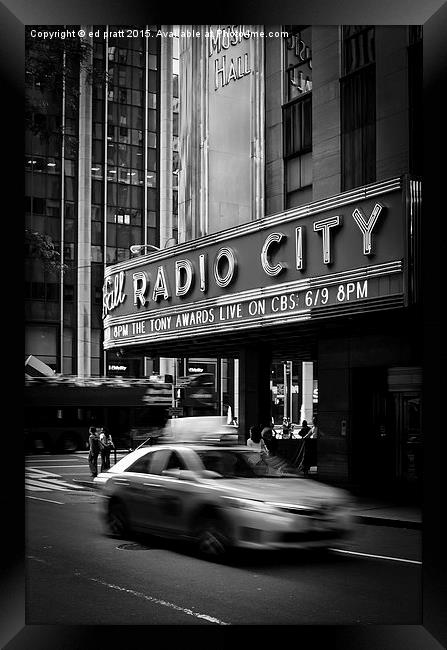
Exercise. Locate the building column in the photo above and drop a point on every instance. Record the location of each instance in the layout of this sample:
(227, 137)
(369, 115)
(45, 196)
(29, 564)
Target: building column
(326, 168)
(193, 138)
(167, 365)
(257, 103)
(254, 389)
(83, 339)
(165, 172)
(307, 406)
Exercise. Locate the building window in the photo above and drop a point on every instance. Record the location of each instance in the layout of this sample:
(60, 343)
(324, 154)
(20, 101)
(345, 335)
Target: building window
(297, 127)
(358, 107)
(297, 113)
(298, 62)
(69, 252)
(68, 293)
(42, 342)
(96, 253)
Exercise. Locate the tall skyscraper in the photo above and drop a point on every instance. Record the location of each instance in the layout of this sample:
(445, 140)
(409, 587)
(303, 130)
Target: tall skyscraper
(101, 157)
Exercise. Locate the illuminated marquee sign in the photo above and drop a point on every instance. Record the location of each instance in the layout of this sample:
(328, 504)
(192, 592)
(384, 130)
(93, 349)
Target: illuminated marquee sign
(338, 256)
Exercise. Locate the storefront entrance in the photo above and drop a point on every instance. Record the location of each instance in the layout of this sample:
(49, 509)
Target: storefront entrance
(409, 437)
(386, 438)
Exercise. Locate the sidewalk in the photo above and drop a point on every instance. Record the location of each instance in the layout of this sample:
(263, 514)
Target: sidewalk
(400, 510)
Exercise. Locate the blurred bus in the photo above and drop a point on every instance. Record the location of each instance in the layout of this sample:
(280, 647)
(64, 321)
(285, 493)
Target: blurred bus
(198, 394)
(59, 411)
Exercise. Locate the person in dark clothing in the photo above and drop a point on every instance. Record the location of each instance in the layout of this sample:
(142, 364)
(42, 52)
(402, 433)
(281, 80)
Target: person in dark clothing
(105, 447)
(93, 441)
(305, 429)
(308, 454)
(270, 440)
(286, 428)
(254, 433)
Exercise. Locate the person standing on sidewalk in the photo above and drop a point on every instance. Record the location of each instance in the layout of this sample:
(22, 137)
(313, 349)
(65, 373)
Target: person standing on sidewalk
(105, 447)
(93, 441)
(270, 440)
(256, 441)
(305, 433)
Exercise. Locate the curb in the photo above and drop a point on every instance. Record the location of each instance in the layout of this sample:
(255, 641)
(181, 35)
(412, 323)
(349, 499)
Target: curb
(383, 521)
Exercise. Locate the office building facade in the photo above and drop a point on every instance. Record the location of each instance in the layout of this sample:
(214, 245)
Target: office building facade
(101, 161)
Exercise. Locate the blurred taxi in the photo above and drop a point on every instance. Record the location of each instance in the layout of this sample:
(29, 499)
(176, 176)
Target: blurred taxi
(220, 497)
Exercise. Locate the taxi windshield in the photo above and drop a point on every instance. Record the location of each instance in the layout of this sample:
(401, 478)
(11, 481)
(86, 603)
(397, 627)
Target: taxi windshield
(244, 464)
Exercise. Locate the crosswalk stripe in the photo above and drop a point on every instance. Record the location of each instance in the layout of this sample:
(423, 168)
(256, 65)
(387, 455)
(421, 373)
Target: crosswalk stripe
(60, 503)
(42, 484)
(34, 488)
(70, 486)
(51, 483)
(37, 479)
(80, 466)
(39, 472)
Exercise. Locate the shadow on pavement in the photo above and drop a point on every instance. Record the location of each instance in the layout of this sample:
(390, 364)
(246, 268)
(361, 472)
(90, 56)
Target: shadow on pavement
(237, 558)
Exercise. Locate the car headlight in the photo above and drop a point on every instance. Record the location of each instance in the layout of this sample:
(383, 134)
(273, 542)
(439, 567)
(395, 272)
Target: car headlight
(250, 504)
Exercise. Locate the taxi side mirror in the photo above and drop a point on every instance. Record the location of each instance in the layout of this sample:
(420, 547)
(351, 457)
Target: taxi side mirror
(172, 473)
(208, 473)
(182, 474)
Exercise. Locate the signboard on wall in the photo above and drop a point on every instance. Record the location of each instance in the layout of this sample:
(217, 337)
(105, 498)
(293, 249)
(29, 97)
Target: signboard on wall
(333, 257)
(230, 68)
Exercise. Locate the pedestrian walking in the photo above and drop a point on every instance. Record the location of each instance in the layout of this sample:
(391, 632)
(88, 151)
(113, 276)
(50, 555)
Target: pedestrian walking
(93, 441)
(105, 446)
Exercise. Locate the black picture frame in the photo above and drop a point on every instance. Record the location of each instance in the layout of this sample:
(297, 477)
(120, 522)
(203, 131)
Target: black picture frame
(432, 14)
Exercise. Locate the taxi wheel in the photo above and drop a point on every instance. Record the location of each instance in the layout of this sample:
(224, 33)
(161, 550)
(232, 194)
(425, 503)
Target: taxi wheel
(117, 520)
(211, 538)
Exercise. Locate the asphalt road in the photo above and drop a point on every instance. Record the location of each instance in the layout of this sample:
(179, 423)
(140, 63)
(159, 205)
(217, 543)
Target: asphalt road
(77, 575)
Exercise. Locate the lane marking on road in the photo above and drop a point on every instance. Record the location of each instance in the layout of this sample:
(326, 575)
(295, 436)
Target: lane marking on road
(60, 503)
(37, 559)
(151, 599)
(164, 603)
(376, 557)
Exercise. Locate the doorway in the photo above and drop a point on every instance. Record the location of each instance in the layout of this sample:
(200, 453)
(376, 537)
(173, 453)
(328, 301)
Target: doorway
(373, 433)
(409, 435)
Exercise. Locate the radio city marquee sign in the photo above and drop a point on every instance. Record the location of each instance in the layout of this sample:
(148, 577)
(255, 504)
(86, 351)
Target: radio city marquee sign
(333, 257)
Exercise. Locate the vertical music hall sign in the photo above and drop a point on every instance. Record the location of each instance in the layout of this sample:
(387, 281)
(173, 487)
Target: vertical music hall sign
(231, 77)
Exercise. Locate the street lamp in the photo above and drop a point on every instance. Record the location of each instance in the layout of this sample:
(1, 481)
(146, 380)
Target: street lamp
(138, 248)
